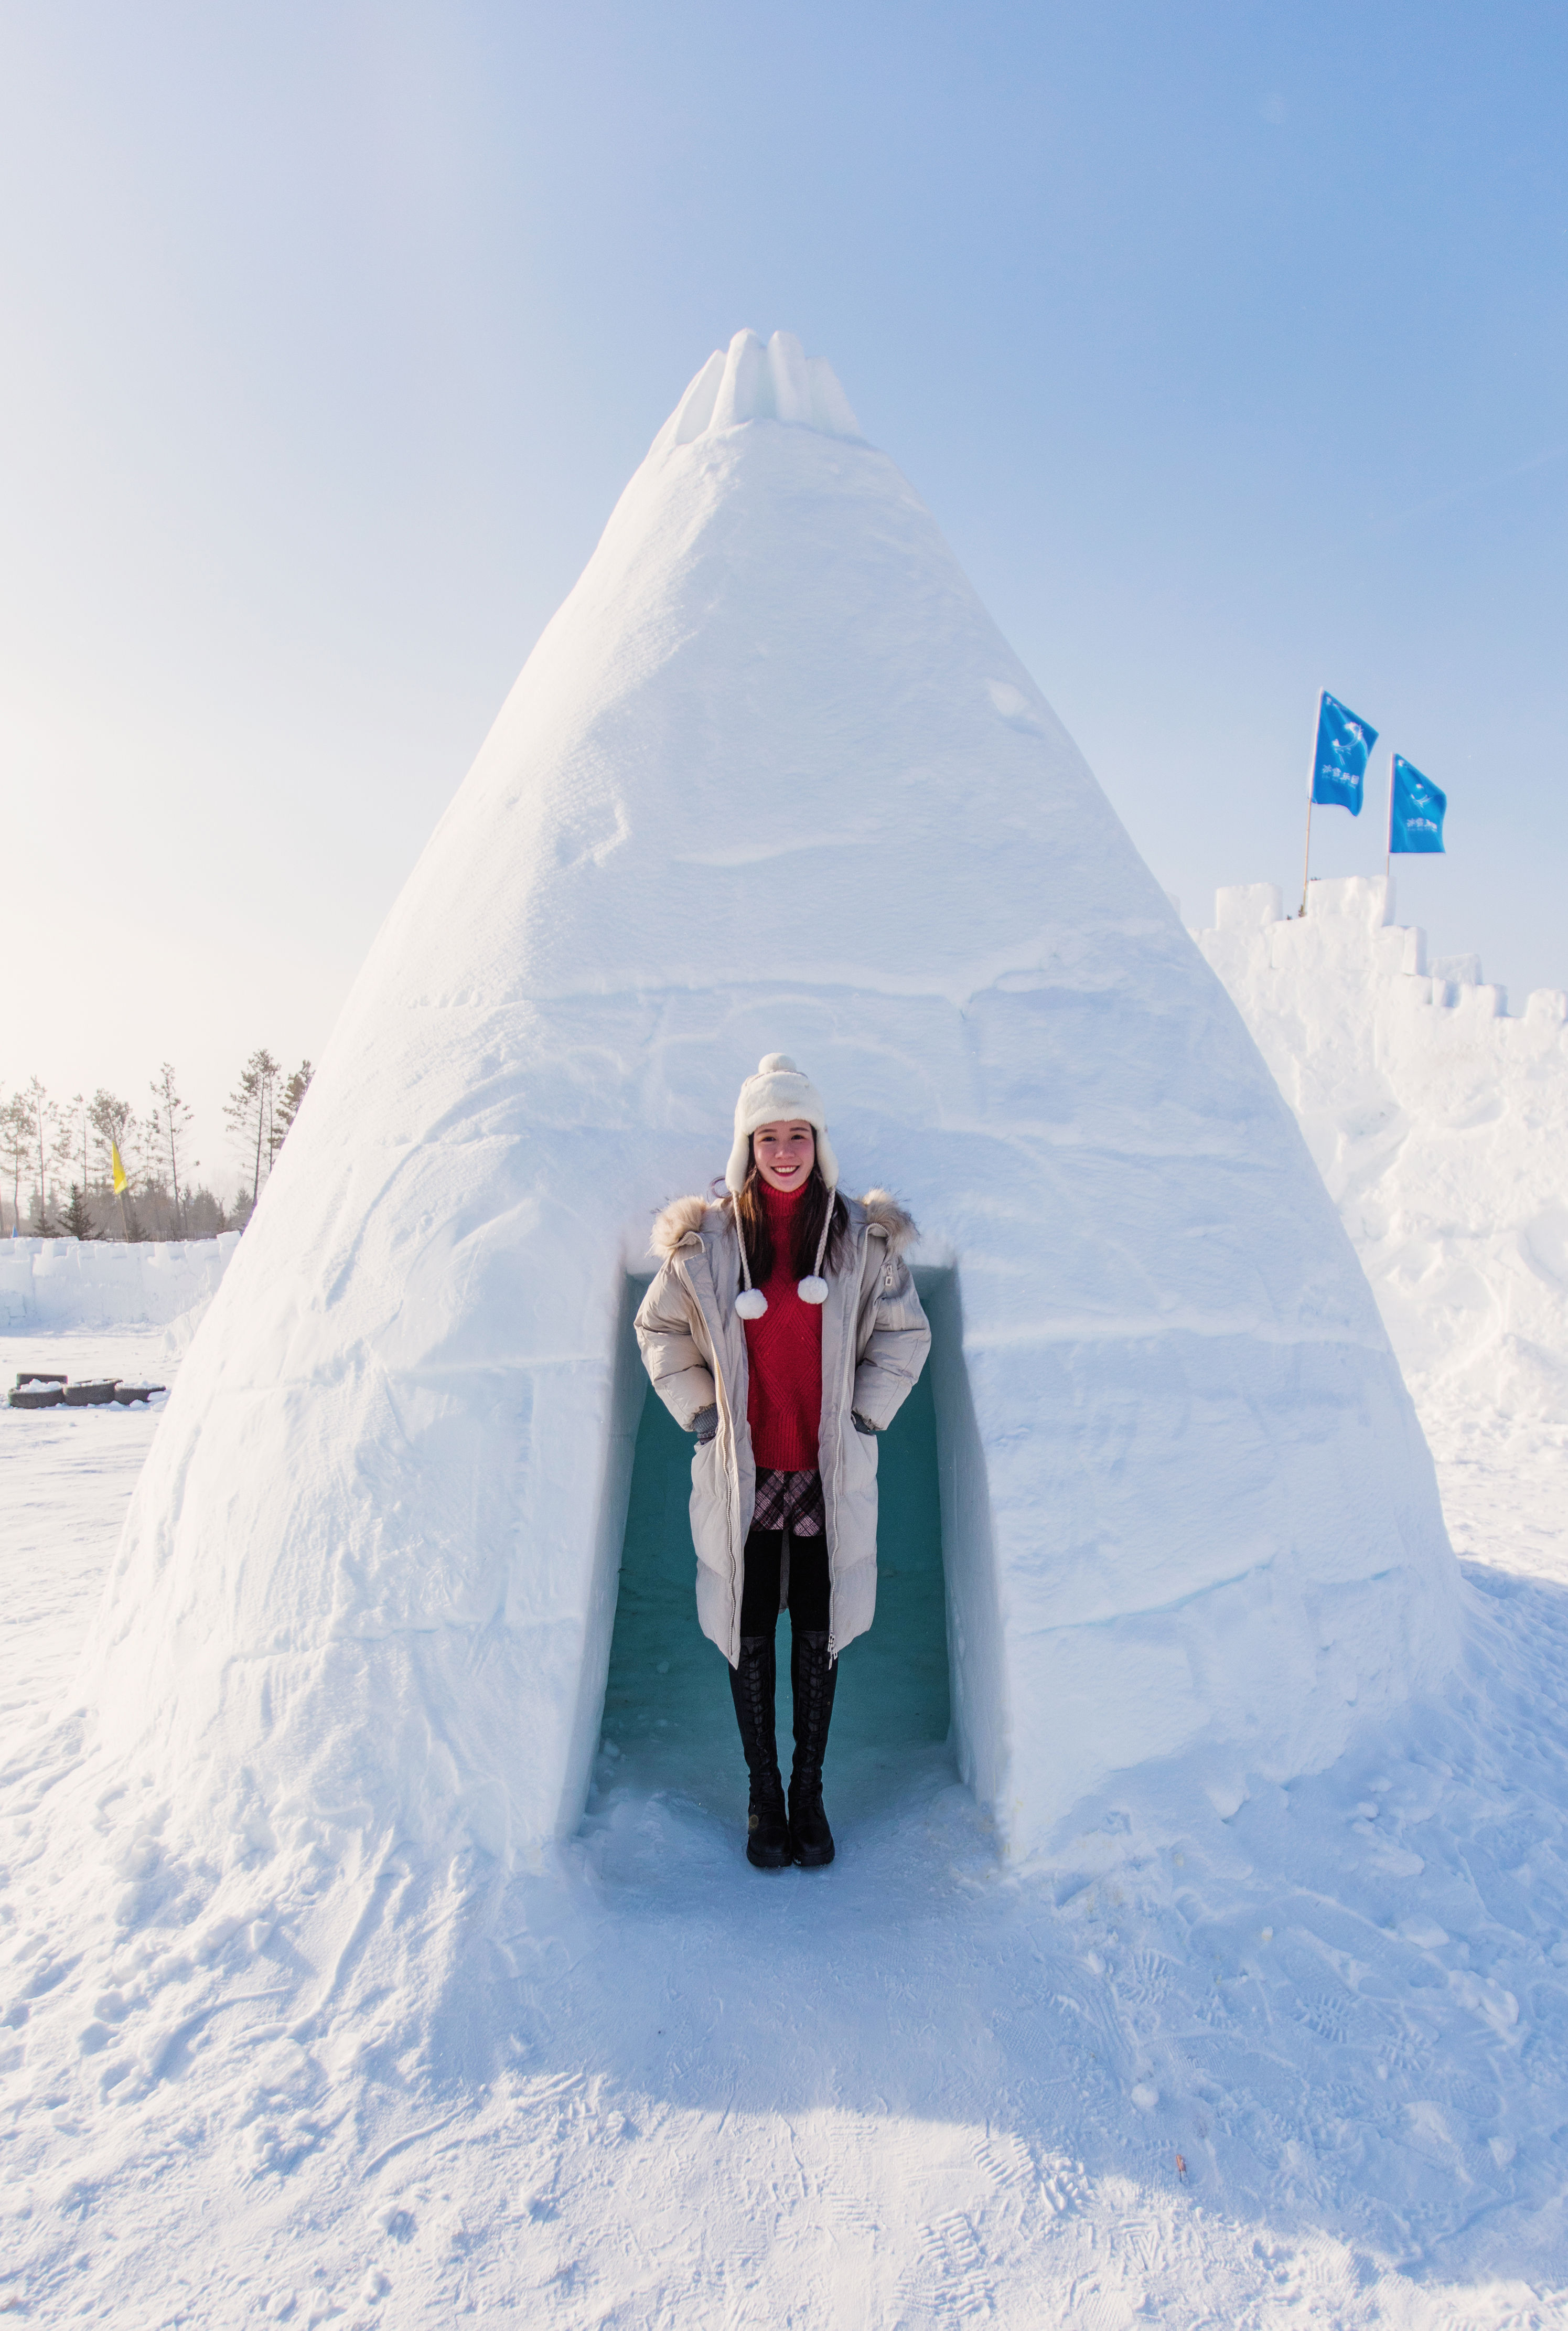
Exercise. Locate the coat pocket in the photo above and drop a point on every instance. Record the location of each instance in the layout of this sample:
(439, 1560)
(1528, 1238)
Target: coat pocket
(860, 1467)
(710, 1507)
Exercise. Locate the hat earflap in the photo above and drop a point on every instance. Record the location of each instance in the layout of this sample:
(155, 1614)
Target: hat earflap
(781, 1089)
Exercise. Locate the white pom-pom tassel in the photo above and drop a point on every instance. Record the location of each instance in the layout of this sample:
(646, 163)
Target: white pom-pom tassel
(753, 1303)
(812, 1289)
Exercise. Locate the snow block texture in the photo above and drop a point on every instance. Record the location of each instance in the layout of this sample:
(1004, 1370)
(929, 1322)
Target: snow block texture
(54, 1283)
(772, 779)
(1440, 1123)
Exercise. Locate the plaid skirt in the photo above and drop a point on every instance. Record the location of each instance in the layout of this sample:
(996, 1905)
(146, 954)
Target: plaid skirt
(790, 1501)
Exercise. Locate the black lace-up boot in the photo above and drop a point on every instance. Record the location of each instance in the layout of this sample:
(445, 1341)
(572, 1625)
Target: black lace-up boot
(814, 1677)
(752, 1684)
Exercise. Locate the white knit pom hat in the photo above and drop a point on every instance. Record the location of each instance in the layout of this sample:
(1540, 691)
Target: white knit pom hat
(778, 1093)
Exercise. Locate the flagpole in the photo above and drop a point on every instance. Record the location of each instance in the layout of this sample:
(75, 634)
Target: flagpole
(121, 1185)
(1311, 789)
(1387, 853)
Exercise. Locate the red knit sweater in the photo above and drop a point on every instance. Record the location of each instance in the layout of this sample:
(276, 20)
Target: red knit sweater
(784, 1401)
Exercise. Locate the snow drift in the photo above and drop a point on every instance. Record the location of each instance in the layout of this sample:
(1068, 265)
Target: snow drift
(771, 779)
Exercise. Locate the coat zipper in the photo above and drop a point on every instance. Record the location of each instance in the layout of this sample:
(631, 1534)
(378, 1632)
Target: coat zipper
(850, 1346)
(731, 1470)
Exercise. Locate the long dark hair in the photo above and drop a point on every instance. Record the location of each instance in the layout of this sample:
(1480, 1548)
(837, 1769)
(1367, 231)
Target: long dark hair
(811, 1213)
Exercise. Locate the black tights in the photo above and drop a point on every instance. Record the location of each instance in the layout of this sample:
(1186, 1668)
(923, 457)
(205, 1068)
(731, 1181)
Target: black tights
(808, 1583)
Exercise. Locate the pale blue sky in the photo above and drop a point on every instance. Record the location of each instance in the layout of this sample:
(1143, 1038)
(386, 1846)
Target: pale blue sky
(1227, 343)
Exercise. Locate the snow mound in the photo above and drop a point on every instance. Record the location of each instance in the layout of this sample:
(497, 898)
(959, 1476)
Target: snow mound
(1439, 1123)
(772, 779)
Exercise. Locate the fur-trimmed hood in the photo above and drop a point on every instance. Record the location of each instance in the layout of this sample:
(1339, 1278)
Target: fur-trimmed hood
(681, 1219)
(886, 1218)
(685, 1218)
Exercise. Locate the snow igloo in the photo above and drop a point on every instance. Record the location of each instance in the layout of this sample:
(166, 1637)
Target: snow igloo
(772, 779)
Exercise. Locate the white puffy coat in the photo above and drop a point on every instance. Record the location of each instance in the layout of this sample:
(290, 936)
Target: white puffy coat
(875, 1339)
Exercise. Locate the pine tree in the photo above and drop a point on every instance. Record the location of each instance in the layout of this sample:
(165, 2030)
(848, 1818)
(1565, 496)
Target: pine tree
(249, 1110)
(205, 1215)
(76, 1223)
(290, 1098)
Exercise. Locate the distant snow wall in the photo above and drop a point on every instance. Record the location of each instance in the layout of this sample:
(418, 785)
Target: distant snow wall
(771, 780)
(50, 1283)
(1439, 1123)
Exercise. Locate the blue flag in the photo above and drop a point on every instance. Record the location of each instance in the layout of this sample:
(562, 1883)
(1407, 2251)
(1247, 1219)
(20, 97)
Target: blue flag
(1343, 750)
(1415, 821)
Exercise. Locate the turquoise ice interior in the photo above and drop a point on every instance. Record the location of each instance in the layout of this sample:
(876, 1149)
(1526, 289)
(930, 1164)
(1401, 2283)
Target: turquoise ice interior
(667, 1706)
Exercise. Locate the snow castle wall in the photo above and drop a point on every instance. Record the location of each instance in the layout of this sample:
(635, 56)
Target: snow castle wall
(1439, 1124)
(771, 780)
(50, 1283)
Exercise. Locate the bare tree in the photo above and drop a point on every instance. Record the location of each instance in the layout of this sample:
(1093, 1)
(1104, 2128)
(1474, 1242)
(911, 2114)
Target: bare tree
(16, 1148)
(115, 1131)
(71, 1138)
(168, 1125)
(249, 1110)
(72, 1145)
(37, 1115)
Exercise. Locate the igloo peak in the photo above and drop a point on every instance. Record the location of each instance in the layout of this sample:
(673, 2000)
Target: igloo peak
(753, 380)
(771, 780)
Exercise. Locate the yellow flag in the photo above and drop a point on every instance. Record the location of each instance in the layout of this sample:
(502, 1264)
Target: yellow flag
(121, 1178)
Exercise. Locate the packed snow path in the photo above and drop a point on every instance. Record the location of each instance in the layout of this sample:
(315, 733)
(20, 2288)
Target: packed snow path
(915, 2090)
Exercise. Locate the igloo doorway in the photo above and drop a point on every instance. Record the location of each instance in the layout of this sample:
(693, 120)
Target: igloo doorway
(667, 1714)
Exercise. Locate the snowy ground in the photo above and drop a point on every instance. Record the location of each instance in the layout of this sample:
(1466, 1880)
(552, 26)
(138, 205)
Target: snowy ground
(1308, 2064)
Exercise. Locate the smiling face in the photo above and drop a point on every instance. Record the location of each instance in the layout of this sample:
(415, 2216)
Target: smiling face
(785, 1153)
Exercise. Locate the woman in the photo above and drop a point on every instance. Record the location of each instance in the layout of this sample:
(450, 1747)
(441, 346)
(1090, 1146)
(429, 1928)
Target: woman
(784, 1330)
